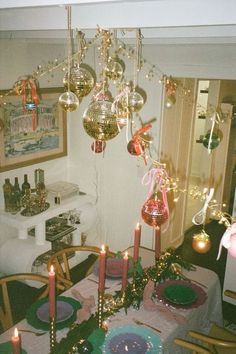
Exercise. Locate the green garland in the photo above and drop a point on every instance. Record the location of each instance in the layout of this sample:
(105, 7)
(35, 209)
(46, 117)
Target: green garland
(87, 337)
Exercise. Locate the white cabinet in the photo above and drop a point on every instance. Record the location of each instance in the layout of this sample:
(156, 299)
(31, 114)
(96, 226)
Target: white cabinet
(23, 223)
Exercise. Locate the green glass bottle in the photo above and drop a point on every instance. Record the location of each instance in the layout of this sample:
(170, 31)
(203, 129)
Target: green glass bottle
(7, 192)
(25, 184)
(16, 196)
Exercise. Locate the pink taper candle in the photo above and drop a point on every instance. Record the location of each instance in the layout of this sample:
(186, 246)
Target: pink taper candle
(125, 271)
(102, 269)
(157, 242)
(137, 235)
(15, 341)
(52, 292)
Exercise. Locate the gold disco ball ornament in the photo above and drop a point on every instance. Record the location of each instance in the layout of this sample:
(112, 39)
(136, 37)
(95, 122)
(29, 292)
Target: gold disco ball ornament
(114, 70)
(68, 101)
(81, 81)
(99, 120)
(135, 101)
(201, 242)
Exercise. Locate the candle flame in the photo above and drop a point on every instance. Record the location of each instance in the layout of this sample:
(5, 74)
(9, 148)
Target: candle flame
(103, 248)
(126, 255)
(137, 226)
(51, 269)
(15, 332)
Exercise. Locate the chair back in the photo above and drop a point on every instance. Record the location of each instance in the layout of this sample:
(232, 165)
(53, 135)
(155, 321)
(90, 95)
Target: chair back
(6, 318)
(195, 348)
(60, 261)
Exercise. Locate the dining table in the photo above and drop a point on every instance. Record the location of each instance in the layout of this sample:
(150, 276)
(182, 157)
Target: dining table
(167, 322)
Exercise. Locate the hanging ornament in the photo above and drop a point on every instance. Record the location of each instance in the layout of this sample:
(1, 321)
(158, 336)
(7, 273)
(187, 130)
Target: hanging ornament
(170, 101)
(135, 101)
(68, 101)
(99, 120)
(136, 146)
(211, 140)
(155, 211)
(201, 242)
(119, 106)
(114, 70)
(81, 81)
(228, 240)
(26, 87)
(170, 89)
(98, 146)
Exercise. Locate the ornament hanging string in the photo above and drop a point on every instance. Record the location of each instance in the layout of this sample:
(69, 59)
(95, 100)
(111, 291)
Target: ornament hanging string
(155, 179)
(215, 119)
(200, 217)
(225, 240)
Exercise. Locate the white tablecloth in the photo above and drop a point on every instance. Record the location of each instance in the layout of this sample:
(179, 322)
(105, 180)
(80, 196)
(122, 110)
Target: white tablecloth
(197, 318)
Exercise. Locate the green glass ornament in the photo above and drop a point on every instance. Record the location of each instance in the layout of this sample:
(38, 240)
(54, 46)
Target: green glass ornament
(215, 140)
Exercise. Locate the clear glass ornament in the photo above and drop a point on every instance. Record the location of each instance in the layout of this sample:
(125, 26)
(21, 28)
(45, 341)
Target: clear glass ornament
(135, 101)
(81, 81)
(170, 101)
(68, 101)
(99, 121)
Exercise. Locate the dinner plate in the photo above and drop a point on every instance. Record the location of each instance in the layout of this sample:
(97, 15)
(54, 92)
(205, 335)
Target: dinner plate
(67, 307)
(180, 294)
(114, 267)
(64, 310)
(133, 340)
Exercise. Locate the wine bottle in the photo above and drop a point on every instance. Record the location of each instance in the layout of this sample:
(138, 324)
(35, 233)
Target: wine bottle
(7, 192)
(16, 195)
(25, 184)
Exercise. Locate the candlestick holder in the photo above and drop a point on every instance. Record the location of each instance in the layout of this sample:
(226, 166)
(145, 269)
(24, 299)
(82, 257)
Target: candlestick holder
(52, 334)
(100, 307)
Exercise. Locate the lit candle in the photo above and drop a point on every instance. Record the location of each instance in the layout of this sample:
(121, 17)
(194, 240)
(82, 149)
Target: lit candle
(52, 294)
(137, 235)
(102, 269)
(157, 242)
(125, 271)
(15, 341)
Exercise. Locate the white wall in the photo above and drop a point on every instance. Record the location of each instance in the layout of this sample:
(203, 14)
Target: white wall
(114, 178)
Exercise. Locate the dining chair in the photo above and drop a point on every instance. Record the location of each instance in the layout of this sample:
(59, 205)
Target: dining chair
(61, 262)
(195, 348)
(17, 295)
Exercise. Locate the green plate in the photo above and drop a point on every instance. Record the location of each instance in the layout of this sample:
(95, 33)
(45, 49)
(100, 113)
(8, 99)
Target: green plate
(6, 348)
(179, 294)
(33, 319)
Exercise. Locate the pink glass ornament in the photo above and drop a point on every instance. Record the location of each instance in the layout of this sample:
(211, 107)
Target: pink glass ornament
(135, 147)
(232, 247)
(98, 146)
(154, 212)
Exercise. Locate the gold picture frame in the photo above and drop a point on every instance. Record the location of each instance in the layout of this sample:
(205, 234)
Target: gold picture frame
(29, 137)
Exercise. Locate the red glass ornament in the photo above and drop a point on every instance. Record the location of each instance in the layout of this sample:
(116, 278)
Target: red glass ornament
(98, 146)
(154, 212)
(135, 147)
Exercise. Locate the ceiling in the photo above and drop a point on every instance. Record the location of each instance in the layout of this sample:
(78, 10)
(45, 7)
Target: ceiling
(199, 33)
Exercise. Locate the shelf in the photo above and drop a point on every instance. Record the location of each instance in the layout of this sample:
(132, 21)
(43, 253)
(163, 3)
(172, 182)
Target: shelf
(22, 223)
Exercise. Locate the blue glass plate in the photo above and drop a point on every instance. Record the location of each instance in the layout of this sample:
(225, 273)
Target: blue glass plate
(133, 340)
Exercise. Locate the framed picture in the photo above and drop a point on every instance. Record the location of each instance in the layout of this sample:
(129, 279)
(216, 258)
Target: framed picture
(28, 137)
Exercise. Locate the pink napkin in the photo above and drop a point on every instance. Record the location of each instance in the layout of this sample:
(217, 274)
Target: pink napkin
(150, 305)
(87, 304)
